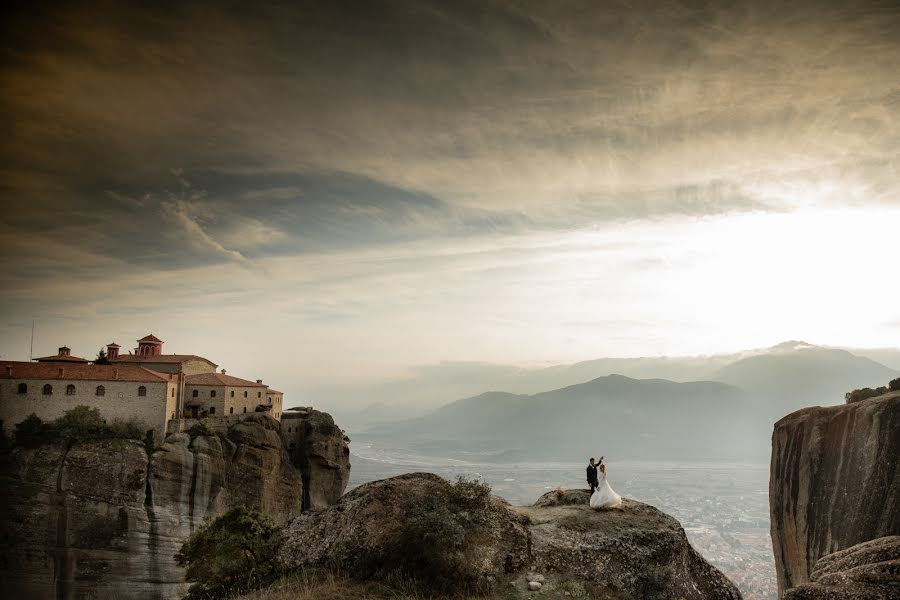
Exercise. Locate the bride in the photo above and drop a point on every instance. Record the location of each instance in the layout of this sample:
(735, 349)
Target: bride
(605, 497)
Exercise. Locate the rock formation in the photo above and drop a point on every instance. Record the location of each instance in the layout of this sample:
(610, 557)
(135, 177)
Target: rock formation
(558, 543)
(834, 483)
(867, 571)
(101, 519)
(318, 448)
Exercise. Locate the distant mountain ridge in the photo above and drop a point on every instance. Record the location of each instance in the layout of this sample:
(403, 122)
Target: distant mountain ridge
(782, 378)
(627, 417)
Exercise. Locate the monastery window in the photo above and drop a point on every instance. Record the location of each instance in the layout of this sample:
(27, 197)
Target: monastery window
(259, 394)
(142, 391)
(100, 391)
(270, 401)
(70, 390)
(212, 393)
(212, 410)
(232, 393)
(231, 411)
(23, 388)
(195, 393)
(48, 390)
(173, 392)
(245, 409)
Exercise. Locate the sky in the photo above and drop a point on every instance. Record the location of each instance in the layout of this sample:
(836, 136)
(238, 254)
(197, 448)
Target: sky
(319, 193)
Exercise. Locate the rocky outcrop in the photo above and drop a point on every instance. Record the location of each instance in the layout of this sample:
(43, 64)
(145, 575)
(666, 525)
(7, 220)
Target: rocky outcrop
(319, 449)
(834, 483)
(562, 544)
(102, 519)
(867, 571)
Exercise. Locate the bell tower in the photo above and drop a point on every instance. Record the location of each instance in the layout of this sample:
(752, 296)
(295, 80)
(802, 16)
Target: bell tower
(149, 345)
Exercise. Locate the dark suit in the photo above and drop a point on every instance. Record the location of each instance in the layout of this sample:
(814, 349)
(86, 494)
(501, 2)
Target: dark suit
(592, 479)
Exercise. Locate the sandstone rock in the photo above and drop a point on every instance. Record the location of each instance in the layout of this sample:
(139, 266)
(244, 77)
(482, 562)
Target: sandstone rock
(535, 577)
(102, 520)
(834, 482)
(534, 586)
(319, 449)
(567, 497)
(867, 571)
(362, 530)
(636, 552)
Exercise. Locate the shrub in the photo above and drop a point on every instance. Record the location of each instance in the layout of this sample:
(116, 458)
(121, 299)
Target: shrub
(79, 424)
(863, 394)
(432, 544)
(231, 555)
(32, 431)
(200, 429)
(894, 385)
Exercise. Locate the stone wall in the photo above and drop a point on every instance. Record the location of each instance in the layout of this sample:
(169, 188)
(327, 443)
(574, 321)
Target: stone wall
(121, 401)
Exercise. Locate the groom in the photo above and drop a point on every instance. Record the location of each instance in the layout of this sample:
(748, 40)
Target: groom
(592, 479)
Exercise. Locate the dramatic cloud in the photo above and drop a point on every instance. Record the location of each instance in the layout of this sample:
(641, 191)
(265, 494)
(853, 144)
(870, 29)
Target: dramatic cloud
(364, 188)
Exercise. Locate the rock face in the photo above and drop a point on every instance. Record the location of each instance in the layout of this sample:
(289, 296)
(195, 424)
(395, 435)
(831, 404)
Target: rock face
(103, 520)
(632, 552)
(318, 448)
(834, 482)
(867, 571)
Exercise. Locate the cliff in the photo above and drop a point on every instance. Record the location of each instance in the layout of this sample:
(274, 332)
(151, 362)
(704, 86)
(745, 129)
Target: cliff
(103, 519)
(561, 545)
(834, 483)
(318, 448)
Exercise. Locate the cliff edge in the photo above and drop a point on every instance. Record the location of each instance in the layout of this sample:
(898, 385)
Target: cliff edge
(103, 519)
(834, 483)
(463, 542)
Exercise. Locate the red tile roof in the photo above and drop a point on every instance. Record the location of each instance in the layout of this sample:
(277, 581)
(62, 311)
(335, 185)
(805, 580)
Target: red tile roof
(271, 391)
(159, 358)
(62, 358)
(78, 371)
(220, 379)
(150, 338)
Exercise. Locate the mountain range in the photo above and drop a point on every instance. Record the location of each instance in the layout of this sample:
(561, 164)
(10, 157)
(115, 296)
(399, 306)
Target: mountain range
(730, 412)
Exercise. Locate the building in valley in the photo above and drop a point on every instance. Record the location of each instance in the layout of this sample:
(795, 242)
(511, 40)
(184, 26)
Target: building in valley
(160, 390)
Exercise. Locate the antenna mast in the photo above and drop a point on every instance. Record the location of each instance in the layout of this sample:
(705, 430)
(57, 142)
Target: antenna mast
(31, 350)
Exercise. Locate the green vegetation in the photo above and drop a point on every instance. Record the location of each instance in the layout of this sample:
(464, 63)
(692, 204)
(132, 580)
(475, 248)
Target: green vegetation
(101, 358)
(894, 385)
(432, 546)
(864, 393)
(79, 424)
(200, 429)
(231, 555)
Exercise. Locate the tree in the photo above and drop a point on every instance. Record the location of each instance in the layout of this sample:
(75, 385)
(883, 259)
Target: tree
(101, 358)
(894, 385)
(231, 555)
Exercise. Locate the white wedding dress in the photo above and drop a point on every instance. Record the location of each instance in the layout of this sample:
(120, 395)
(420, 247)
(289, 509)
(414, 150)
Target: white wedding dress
(604, 496)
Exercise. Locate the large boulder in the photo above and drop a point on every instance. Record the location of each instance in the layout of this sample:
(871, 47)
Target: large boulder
(867, 571)
(635, 551)
(367, 531)
(834, 482)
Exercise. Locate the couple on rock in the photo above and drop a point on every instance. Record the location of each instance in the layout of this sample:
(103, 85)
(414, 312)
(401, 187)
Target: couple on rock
(602, 495)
